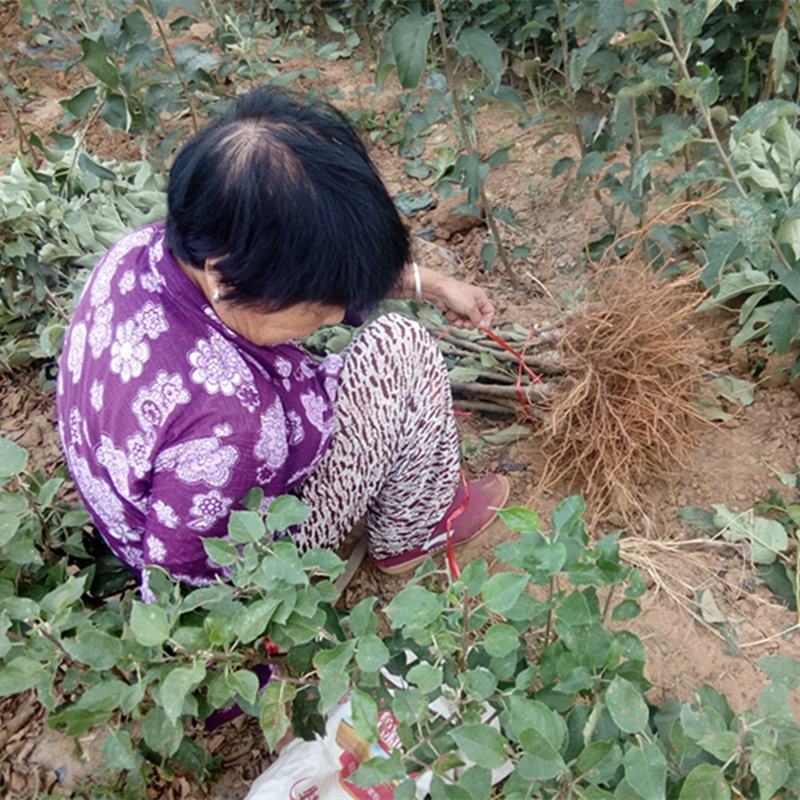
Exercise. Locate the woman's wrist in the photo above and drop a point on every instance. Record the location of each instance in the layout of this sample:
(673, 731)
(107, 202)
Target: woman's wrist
(418, 284)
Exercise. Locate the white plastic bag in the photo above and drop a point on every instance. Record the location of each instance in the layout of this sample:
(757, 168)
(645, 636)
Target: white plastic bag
(318, 770)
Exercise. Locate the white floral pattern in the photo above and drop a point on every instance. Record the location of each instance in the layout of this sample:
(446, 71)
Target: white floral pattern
(152, 281)
(96, 395)
(77, 349)
(139, 452)
(153, 403)
(102, 500)
(283, 367)
(129, 352)
(127, 283)
(272, 446)
(102, 329)
(315, 408)
(134, 557)
(207, 509)
(150, 318)
(165, 514)
(203, 460)
(116, 463)
(75, 428)
(155, 549)
(219, 368)
(103, 275)
(296, 432)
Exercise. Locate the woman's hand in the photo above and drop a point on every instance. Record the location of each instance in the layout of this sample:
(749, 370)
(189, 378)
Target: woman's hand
(463, 305)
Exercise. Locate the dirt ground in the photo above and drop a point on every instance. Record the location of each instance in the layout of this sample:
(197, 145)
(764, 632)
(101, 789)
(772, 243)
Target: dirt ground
(735, 463)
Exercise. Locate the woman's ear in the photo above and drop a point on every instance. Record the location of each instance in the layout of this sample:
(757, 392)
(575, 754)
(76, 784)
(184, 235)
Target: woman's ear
(213, 279)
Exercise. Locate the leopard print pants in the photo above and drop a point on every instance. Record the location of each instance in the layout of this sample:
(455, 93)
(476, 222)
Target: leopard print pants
(394, 456)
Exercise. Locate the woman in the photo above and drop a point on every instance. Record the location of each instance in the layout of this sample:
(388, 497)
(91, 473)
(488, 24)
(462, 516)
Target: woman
(181, 387)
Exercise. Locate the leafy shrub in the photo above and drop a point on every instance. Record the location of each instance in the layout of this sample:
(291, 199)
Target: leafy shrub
(524, 657)
(61, 217)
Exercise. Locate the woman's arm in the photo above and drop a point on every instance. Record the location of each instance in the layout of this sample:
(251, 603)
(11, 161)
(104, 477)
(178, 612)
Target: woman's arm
(463, 305)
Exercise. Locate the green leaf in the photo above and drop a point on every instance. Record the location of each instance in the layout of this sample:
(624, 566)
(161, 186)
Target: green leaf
(771, 769)
(19, 675)
(501, 591)
(273, 711)
(118, 751)
(764, 115)
(567, 514)
(785, 326)
(501, 640)
(481, 744)
(413, 607)
(115, 112)
(592, 162)
(246, 526)
(48, 490)
(285, 512)
(322, 562)
(163, 7)
(246, 684)
(379, 770)
(478, 44)
(333, 23)
(782, 669)
(427, 677)
(159, 733)
(9, 525)
(332, 688)
(409, 38)
(371, 653)
(705, 782)
(599, 762)
(149, 624)
(220, 551)
(365, 715)
(63, 596)
(551, 557)
(767, 536)
(541, 760)
(520, 519)
(13, 459)
(627, 609)
(527, 714)
(561, 166)
(178, 683)
(646, 771)
(479, 683)
(721, 744)
(90, 165)
(95, 59)
(626, 706)
(81, 103)
(362, 619)
(95, 648)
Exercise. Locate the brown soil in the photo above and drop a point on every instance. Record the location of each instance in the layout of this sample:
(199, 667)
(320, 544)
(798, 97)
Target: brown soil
(735, 463)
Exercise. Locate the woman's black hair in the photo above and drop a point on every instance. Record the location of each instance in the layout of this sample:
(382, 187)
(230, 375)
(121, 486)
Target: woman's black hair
(283, 192)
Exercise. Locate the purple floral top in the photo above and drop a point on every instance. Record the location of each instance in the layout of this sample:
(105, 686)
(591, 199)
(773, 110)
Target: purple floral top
(168, 418)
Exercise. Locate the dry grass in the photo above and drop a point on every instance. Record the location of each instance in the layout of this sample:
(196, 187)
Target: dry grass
(624, 413)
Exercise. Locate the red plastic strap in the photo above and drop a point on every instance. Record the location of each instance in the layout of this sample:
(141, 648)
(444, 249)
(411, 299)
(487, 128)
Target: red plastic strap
(448, 527)
(521, 366)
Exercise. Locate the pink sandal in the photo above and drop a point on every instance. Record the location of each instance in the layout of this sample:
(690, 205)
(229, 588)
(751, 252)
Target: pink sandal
(486, 495)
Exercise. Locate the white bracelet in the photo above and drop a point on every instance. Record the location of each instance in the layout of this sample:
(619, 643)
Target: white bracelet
(417, 281)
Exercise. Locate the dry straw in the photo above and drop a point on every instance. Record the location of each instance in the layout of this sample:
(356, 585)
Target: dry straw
(625, 411)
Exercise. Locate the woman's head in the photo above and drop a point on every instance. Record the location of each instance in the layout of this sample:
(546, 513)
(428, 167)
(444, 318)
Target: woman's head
(281, 198)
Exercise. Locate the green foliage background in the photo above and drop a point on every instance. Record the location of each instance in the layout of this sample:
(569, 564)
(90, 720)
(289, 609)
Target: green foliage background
(697, 103)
